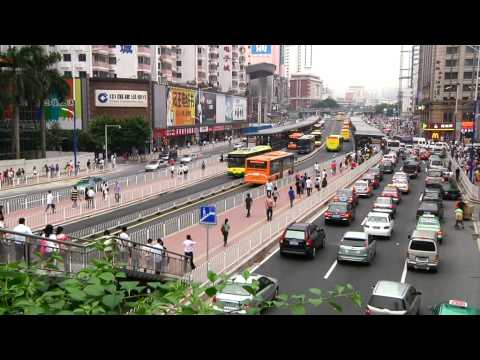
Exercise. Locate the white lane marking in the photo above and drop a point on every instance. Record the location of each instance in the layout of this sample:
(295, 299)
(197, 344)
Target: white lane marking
(331, 269)
(404, 273)
(476, 232)
(264, 260)
(420, 198)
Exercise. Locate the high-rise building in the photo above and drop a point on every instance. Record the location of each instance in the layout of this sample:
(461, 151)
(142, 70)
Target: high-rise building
(446, 78)
(298, 59)
(305, 89)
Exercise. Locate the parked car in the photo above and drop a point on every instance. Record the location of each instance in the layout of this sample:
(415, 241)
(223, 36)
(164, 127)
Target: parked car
(372, 178)
(155, 165)
(347, 194)
(388, 167)
(363, 188)
(339, 212)
(89, 182)
(423, 251)
(378, 224)
(394, 298)
(393, 192)
(302, 238)
(234, 299)
(356, 246)
(430, 208)
(385, 205)
(454, 307)
(431, 223)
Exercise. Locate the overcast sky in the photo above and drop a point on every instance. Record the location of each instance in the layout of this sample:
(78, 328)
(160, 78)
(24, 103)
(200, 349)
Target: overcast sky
(373, 66)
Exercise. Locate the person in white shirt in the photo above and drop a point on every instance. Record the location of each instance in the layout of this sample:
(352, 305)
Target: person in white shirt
(20, 240)
(158, 255)
(316, 167)
(185, 170)
(50, 204)
(188, 249)
(126, 246)
(308, 184)
(91, 196)
(269, 187)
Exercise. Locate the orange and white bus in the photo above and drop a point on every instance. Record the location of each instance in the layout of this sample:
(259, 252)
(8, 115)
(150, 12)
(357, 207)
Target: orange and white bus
(293, 139)
(268, 167)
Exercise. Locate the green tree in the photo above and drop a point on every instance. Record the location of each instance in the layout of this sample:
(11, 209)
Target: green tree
(327, 103)
(55, 137)
(134, 132)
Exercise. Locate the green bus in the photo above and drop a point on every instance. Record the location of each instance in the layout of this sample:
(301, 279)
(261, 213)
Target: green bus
(236, 159)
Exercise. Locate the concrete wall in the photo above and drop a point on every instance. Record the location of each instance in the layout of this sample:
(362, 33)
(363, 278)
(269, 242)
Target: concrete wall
(53, 157)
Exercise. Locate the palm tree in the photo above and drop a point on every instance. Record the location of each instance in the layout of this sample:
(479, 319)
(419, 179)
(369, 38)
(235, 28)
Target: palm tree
(45, 82)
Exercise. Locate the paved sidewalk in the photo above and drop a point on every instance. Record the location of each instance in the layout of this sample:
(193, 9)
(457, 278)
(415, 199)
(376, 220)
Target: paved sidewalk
(239, 224)
(37, 218)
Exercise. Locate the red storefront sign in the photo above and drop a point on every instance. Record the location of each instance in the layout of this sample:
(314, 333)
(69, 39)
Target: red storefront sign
(173, 132)
(217, 128)
(467, 124)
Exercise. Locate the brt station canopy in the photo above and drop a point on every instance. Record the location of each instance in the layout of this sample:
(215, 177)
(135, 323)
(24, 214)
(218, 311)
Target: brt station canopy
(299, 125)
(364, 133)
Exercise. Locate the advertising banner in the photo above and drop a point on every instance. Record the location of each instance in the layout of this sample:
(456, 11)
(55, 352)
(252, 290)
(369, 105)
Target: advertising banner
(206, 108)
(239, 109)
(220, 108)
(180, 107)
(121, 98)
(228, 108)
(261, 50)
(61, 113)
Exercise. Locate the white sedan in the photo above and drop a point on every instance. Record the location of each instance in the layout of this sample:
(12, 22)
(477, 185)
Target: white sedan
(378, 224)
(186, 159)
(155, 165)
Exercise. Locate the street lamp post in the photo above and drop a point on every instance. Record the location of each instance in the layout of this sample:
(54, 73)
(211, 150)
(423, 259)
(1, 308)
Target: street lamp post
(106, 141)
(475, 111)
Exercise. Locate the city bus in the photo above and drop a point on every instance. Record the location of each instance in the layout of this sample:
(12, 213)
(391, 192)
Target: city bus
(268, 167)
(236, 159)
(334, 143)
(345, 134)
(306, 144)
(347, 123)
(293, 138)
(318, 137)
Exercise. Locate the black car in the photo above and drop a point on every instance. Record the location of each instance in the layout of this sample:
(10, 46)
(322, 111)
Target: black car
(451, 191)
(411, 168)
(430, 208)
(436, 186)
(433, 196)
(302, 238)
(388, 167)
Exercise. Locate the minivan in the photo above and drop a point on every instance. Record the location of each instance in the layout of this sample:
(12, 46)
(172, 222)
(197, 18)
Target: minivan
(423, 251)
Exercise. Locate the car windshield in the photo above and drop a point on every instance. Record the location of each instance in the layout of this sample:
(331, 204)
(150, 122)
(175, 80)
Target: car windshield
(235, 289)
(153, 162)
(422, 245)
(428, 221)
(353, 242)
(377, 219)
(384, 302)
(434, 173)
(387, 163)
(343, 193)
(295, 234)
(337, 207)
(361, 183)
(383, 201)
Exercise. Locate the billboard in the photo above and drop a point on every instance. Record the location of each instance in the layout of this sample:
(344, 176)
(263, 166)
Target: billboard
(180, 107)
(228, 109)
(121, 98)
(239, 108)
(261, 50)
(159, 106)
(206, 108)
(220, 109)
(61, 113)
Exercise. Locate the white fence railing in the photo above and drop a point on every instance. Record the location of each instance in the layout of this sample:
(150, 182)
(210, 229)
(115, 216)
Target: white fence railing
(256, 240)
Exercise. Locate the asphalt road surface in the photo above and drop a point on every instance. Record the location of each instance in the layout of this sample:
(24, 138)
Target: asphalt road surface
(457, 277)
(330, 127)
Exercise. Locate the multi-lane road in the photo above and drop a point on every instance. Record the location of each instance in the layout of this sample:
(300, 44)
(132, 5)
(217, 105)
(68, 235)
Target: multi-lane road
(457, 278)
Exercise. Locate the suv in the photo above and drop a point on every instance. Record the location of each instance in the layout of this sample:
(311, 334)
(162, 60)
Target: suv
(394, 298)
(302, 238)
(422, 251)
(356, 246)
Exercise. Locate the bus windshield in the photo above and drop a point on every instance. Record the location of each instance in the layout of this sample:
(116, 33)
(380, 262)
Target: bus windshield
(236, 160)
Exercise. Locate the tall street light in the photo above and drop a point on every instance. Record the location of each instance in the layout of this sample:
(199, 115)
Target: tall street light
(456, 108)
(475, 110)
(106, 141)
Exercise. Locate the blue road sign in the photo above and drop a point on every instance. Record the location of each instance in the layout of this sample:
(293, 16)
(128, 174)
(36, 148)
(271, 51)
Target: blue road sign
(208, 215)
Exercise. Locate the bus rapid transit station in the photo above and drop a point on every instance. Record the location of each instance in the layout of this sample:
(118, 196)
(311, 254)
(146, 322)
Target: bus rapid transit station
(364, 134)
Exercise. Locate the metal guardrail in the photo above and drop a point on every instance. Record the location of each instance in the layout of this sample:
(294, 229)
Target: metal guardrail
(77, 254)
(256, 240)
(472, 190)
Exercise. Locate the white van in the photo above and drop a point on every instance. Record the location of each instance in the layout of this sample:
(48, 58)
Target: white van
(418, 141)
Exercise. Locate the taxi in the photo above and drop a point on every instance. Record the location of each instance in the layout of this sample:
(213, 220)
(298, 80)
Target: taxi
(454, 307)
(391, 191)
(431, 223)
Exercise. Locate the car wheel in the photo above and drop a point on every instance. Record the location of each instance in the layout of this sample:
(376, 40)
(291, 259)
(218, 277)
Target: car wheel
(276, 293)
(313, 254)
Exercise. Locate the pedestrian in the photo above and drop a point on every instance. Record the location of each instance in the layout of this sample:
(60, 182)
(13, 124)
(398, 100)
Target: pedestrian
(269, 188)
(457, 173)
(225, 230)
(21, 244)
(275, 194)
(89, 164)
(248, 204)
(203, 165)
(269, 204)
(57, 170)
(64, 248)
(46, 170)
(172, 170)
(291, 196)
(185, 170)
(110, 246)
(324, 182)
(188, 251)
(309, 186)
(47, 248)
(2, 225)
(105, 190)
(324, 174)
(333, 167)
(34, 171)
(90, 197)
(74, 196)
(316, 167)
(50, 204)
(116, 191)
(340, 166)
(126, 247)
(458, 218)
(298, 187)
(158, 254)
(303, 184)
(317, 183)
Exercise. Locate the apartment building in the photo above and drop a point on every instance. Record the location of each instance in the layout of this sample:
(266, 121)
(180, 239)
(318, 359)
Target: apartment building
(446, 77)
(298, 59)
(305, 89)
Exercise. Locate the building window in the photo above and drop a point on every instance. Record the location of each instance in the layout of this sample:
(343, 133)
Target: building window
(451, 75)
(199, 50)
(468, 49)
(199, 63)
(179, 75)
(112, 46)
(452, 49)
(82, 57)
(449, 88)
(451, 62)
(467, 116)
(82, 74)
(67, 74)
(468, 87)
(467, 75)
(67, 57)
(145, 46)
(144, 60)
(100, 58)
(112, 60)
(179, 63)
(468, 62)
